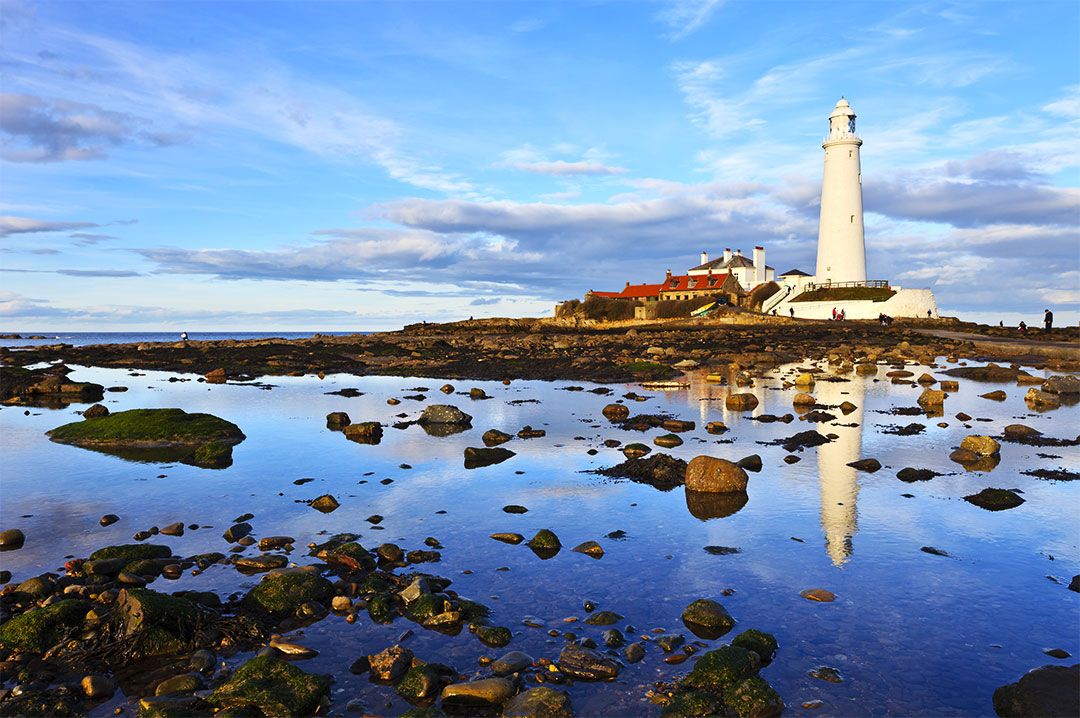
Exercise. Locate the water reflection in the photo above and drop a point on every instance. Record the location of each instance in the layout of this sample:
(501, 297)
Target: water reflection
(840, 482)
(704, 505)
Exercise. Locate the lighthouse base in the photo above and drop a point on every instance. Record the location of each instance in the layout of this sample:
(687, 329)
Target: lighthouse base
(905, 303)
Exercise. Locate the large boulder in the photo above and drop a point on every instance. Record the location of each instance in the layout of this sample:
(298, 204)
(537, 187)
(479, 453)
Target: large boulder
(1046, 692)
(444, 414)
(931, 398)
(712, 475)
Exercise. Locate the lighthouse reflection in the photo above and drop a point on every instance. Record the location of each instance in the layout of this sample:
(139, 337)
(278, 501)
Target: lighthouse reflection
(840, 482)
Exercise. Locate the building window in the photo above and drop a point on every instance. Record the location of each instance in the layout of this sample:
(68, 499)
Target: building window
(853, 219)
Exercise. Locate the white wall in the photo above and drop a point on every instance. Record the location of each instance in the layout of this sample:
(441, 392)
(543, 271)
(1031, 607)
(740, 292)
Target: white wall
(905, 303)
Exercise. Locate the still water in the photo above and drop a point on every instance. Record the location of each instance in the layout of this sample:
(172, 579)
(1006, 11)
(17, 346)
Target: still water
(911, 633)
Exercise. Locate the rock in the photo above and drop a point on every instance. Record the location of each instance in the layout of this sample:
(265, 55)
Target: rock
(269, 543)
(603, 618)
(716, 427)
(948, 386)
(587, 665)
(981, 445)
(494, 437)
(805, 379)
(390, 664)
(910, 474)
(486, 693)
(802, 399)
(1044, 691)
(741, 402)
(753, 462)
(867, 465)
(476, 458)
(1074, 584)
(613, 638)
(707, 619)
(668, 441)
(590, 548)
(236, 532)
(173, 529)
(634, 652)
(272, 687)
(183, 683)
(172, 706)
(847, 407)
(926, 379)
(754, 698)
(931, 398)
(712, 475)
(325, 503)
(506, 537)
(818, 594)
(108, 519)
(539, 702)
(419, 684)
(280, 594)
(265, 562)
(215, 376)
(661, 471)
(515, 509)
(1019, 431)
(96, 411)
(365, 432)
(669, 641)
(616, 412)
(337, 419)
(478, 393)
(997, 395)
(1042, 399)
(545, 543)
(761, 643)
(132, 552)
(494, 636)
(934, 551)
(97, 687)
(444, 414)
(39, 629)
(512, 662)
(1062, 384)
(995, 499)
(678, 425)
(11, 539)
(827, 674)
(159, 434)
(721, 670)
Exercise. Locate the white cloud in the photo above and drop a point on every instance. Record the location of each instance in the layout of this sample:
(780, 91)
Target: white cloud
(684, 17)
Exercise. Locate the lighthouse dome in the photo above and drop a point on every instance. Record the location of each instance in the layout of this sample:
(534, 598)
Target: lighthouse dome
(842, 109)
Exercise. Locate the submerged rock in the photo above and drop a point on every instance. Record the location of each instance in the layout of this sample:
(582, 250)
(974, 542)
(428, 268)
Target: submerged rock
(981, 445)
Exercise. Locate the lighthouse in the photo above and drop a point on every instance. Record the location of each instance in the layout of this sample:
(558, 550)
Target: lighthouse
(841, 252)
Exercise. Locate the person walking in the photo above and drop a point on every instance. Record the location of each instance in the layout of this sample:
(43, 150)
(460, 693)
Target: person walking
(1048, 319)
(792, 310)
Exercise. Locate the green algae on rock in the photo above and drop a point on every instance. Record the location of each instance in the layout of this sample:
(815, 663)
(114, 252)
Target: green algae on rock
(156, 435)
(272, 687)
(39, 629)
(279, 594)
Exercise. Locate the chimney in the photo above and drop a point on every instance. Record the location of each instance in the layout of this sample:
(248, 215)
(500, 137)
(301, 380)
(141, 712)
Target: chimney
(627, 282)
(727, 254)
(759, 265)
(738, 252)
(668, 275)
(704, 257)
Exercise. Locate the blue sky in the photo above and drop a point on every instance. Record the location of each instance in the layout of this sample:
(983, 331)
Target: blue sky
(263, 166)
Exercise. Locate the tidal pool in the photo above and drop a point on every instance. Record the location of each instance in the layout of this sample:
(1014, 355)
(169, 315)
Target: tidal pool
(911, 633)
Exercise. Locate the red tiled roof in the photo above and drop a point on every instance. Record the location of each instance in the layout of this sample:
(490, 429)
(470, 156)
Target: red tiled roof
(632, 291)
(696, 282)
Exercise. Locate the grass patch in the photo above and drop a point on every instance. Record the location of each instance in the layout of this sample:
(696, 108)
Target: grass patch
(650, 370)
(838, 294)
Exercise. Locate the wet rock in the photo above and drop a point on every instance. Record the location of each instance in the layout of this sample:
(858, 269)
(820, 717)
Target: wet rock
(931, 398)
(506, 537)
(477, 393)
(512, 662)
(761, 643)
(97, 687)
(390, 664)
(1044, 691)
(173, 529)
(108, 519)
(1058, 653)
(336, 420)
(1042, 399)
(722, 550)
(820, 595)
(1020, 432)
(722, 669)
(494, 636)
(741, 402)
(272, 687)
(802, 440)
(668, 642)
(754, 698)
(616, 412)
(587, 665)
(270, 543)
(867, 465)
(995, 499)
(590, 548)
(802, 399)
(707, 619)
(679, 426)
(911, 474)
(661, 471)
(515, 509)
(365, 432)
(419, 684)
(172, 706)
(934, 551)
(603, 618)
(487, 693)
(265, 562)
(750, 463)
(1062, 384)
(444, 414)
(712, 475)
(325, 503)
(478, 457)
(279, 594)
(183, 683)
(96, 411)
(716, 427)
(236, 532)
(634, 652)
(981, 445)
(997, 395)
(668, 441)
(545, 543)
(805, 379)
(11, 539)
(827, 674)
(494, 437)
(1074, 584)
(613, 638)
(539, 702)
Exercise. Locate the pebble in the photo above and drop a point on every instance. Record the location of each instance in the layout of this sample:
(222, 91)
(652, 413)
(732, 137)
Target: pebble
(97, 687)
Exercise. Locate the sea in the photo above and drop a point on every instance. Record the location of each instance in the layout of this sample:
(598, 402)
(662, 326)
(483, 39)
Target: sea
(87, 338)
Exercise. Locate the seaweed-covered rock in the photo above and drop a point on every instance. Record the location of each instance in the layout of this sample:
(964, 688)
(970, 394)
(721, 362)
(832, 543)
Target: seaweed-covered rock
(348, 556)
(141, 609)
(494, 636)
(272, 687)
(1043, 692)
(42, 628)
(545, 540)
(661, 471)
(995, 499)
(212, 455)
(721, 669)
(420, 683)
(280, 594)
(753, 698)
(707, 619)
(761, 643)
(540, 702)
(132, 552)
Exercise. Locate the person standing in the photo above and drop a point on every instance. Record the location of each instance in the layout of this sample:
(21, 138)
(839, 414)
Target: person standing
(792, 310)
(1048, 319)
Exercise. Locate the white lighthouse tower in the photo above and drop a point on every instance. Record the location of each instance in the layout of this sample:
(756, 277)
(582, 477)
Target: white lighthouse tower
(841, 252)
